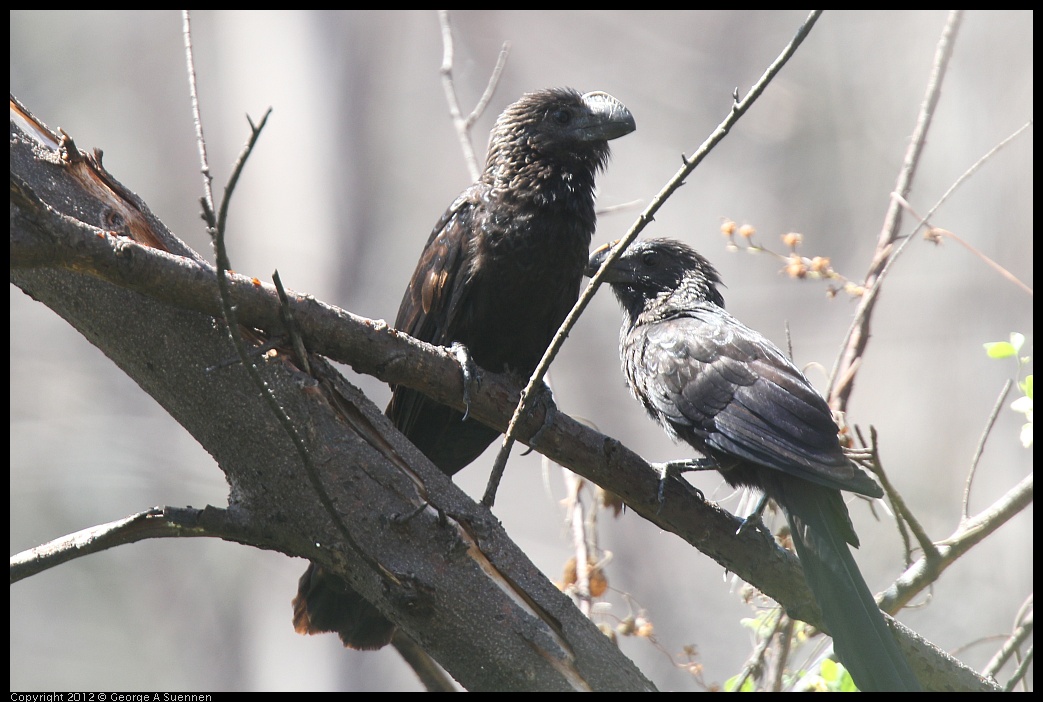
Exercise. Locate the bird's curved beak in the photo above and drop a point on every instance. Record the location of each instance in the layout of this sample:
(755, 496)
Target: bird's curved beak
(597, 258)
(608, 118)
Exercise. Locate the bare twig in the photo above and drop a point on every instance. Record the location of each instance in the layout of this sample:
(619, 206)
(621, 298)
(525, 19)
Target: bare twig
(197, 119)
(463, 124)
(936, 234)
(216, 228)
(1023, 629)
(970, 532)
(989, 424)
(858, 335)
(1022, 670)
(738, 109)
(751, 670)
(158, 522)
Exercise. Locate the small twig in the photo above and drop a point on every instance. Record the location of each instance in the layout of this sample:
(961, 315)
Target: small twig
(756, 661)
(784, 634)
(935, 234)
(859, 320)
(197, 118)
(858, 334)
(463, 124)
(1023, 629)
(904, 516)
(216, 228)
(577, 524)
(155, 523)
(738, 109)
(968, 534)
(1022, 670)
(237, 169)
(980, 448)
(431, 675)
(292, 330)
(973, 169)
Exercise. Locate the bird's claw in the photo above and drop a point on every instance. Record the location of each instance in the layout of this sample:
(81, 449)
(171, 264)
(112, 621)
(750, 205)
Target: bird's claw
(674, 468)
(754, 520)
(545, 397)
(469, 369)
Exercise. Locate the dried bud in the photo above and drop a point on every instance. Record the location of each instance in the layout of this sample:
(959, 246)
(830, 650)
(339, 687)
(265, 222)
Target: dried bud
(820, 265)
(795, 267)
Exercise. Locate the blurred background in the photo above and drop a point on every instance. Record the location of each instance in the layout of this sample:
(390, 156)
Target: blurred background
(356, 164)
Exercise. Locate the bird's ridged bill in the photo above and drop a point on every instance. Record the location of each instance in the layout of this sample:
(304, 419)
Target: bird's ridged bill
(613, 119)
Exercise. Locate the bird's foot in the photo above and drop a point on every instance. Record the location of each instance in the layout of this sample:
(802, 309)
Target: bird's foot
(543, 395)
(674, 468)
(754, 520)
(470, 371)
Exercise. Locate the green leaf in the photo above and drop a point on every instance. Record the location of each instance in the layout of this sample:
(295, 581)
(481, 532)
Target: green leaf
(1000, 349)
(747, 685)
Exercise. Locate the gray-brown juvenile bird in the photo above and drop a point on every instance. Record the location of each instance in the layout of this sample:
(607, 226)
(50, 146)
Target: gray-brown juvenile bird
(500, 271)
(730, 393)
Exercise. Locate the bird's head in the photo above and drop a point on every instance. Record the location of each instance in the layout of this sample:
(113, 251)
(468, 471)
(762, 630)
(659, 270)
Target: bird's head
(558, 122)
(651, 272)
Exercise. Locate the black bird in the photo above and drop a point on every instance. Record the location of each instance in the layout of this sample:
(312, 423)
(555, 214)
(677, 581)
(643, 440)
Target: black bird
(500, 271)
(731, 394)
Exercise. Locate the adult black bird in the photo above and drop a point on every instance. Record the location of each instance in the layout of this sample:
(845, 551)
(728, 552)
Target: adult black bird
(499, 273)
(730, 393)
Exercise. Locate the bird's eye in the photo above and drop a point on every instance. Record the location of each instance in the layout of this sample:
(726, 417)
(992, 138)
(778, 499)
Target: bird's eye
(650, 259)
(561, 116)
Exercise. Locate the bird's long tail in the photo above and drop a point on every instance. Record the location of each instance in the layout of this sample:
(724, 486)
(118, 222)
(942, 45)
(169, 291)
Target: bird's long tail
(324, 603)
(861, 638)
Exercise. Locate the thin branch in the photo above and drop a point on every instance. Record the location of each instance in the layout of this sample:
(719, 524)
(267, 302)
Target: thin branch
(216, 228)
(858, 334)
(1022, 670)
(155, 523)
(904, 516)
(973, 169)
(463, 124)
(989, 424)
(936, 234)
(233, 179)
(197, 119)
(969, 533)
(859, 321)
(738, 109)
(1024, 628)
(431, 675)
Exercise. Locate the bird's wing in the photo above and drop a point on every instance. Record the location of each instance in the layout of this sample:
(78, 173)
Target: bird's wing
(738, 394)
(431, 310)
(439, 282)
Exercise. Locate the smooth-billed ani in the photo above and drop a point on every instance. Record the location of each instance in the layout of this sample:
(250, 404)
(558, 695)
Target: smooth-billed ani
(500, 271)
(730, 393)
